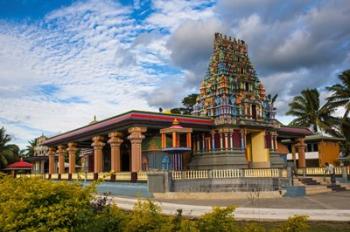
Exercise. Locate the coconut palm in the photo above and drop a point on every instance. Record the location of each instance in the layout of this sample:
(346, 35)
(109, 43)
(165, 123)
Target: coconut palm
(341, 129)
(309, 113)
(8, 152)
(29, 150)
(341, 93)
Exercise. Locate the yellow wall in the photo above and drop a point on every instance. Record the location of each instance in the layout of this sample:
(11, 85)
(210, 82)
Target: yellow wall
(328, 152)
(248, 149)
(260, 154)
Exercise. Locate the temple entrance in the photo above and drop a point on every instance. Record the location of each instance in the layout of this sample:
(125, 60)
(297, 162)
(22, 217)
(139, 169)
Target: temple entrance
(125, 156)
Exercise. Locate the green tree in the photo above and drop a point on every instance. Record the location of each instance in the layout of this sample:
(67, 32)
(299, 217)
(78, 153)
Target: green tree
(341, 129)
(29, 150)
(341, 93)
(188, 102)
(309, 112)
(8, 152)
(179, 110)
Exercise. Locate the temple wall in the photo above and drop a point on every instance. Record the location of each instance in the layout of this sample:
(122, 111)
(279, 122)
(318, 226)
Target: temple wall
(229, 185)
(260, 154)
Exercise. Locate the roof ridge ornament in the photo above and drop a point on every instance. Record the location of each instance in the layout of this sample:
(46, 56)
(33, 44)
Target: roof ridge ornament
(176, 122)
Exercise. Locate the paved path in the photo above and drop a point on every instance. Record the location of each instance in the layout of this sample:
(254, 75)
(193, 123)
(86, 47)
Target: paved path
(245, 213)
(331, 200)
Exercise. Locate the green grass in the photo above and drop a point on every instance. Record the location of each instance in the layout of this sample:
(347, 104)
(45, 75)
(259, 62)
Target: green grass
(314, 226)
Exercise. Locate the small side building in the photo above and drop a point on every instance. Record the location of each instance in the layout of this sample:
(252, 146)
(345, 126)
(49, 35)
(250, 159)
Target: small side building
(319, 149)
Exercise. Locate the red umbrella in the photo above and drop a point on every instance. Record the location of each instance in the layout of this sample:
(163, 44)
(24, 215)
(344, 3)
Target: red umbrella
(20, 165)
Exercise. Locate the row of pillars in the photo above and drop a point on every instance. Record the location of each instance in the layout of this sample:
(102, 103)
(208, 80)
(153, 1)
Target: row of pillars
(115, 140)
(228, 140)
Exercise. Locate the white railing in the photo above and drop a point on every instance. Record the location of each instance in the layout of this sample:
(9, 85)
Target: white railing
(228, 173)
(107, 176)
(321, 171)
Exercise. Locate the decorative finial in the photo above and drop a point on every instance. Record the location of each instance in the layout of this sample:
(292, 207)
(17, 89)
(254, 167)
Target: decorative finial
(93, 121)
(176, 122)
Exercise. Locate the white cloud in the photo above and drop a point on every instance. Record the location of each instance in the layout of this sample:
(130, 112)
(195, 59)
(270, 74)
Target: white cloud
(102, 61)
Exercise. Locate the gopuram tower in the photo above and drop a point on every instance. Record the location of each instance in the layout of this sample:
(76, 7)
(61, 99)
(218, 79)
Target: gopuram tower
(244, 132)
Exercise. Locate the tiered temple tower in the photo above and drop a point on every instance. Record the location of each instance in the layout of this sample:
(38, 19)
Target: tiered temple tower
(232, 94)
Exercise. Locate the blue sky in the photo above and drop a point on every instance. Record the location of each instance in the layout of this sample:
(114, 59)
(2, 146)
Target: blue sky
(62, 62)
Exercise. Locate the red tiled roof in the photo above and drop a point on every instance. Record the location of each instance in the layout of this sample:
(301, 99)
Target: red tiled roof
(19, 165)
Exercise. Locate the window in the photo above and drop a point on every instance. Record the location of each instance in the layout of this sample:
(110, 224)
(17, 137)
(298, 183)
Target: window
(312, 147)
(309, 147)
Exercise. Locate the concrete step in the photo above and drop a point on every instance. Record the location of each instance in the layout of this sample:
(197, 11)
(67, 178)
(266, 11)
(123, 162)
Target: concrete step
(336, 188)
(308, 181)
(310, 190)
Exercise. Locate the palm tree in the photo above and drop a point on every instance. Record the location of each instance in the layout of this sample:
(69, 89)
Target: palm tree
(29, 151)
(308, 112)
(341, 129)
(8, 152)
(341, 93)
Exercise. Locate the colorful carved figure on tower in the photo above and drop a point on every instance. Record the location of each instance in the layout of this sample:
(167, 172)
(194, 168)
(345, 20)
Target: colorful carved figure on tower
(232, 87)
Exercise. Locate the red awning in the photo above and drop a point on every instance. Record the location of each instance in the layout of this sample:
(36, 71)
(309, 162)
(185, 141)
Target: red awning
(20, 165)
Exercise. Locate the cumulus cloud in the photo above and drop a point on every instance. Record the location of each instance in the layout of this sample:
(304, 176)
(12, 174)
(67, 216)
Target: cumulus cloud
(298, 44)
(102, 57)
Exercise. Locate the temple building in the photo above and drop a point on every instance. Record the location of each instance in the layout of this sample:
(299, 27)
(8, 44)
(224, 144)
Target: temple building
(39, 158)
(232, 126)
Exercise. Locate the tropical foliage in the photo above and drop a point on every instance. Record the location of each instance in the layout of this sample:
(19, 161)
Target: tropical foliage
(309, 112)
(32, 204)
(8, 152)
(341, 93)
(188, 102)
(29, 150)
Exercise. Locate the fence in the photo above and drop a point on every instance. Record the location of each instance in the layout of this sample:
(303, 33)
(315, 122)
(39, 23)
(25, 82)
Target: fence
(107, 176)
(229, 173)
(321, 171)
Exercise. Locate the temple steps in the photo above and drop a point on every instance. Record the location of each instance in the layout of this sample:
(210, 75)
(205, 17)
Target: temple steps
(317, 186)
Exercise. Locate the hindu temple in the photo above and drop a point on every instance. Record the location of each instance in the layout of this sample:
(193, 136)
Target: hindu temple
(233, 125)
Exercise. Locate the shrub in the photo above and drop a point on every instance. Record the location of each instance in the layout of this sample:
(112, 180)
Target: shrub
(295, 224)
(146, 216)
(181, 224)
(34, 204)
(109, 219)
(220, 219)
(253, 227)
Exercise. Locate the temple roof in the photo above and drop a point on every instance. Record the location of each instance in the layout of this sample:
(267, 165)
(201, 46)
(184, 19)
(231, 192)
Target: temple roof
(20, 165)
(128, 119)
(319, 137)
(293, 131)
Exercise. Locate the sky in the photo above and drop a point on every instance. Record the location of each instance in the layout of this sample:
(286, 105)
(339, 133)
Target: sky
(64, 61)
